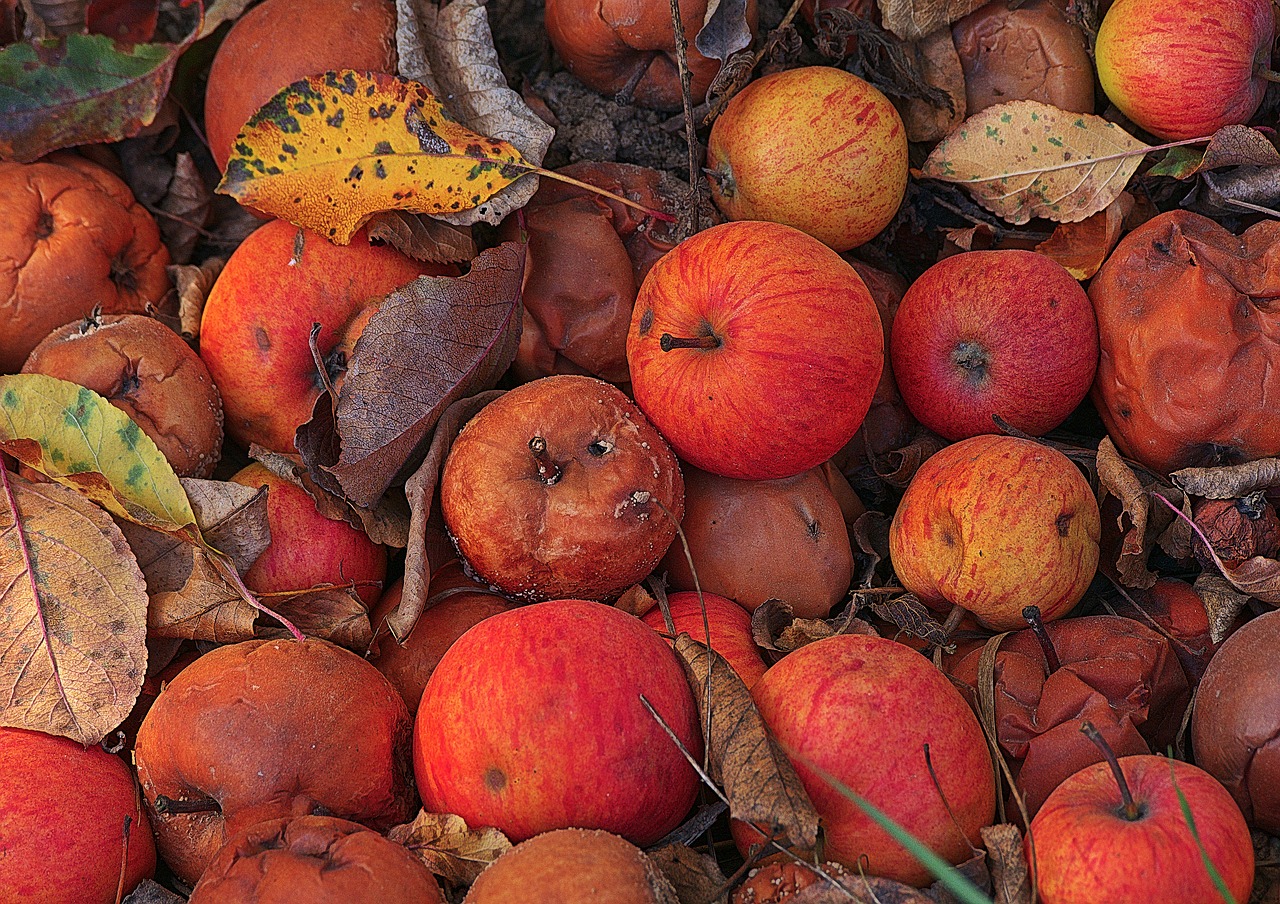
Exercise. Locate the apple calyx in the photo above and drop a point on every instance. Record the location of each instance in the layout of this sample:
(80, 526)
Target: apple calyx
(708, 340)
(168, 806)
(548, 471)
(1131, 810)
(973, 360)
(1031, 615)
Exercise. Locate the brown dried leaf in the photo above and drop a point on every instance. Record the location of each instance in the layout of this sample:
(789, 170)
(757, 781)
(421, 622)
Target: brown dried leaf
(55, 17)
(449, 848)
(421, 493)
(939, 64)
(854, 889)
(898, 466)
(421, 237)
(870, 535)
(1233, 145)
(1223, 603)
(724, 30)
(974, 869)
(908, 614)
(432, 342)
(636, 601)
(1259, 577)
(151, 892)
(335, 614)
(1010, 874)
(757, 777)
(768, 621)
(1118, 479)
(193, 284)
(1229, 481)
(1242, 189)
(915, 19)
(1083, 247)
(73, 609)
(803, 631)
(695, 876)
(185, 209)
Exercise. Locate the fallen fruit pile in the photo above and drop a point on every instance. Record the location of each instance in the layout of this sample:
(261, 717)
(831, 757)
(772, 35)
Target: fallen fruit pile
(703, 453)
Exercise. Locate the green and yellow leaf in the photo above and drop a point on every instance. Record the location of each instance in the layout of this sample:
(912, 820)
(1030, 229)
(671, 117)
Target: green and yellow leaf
(330, 151)
(1026, 159)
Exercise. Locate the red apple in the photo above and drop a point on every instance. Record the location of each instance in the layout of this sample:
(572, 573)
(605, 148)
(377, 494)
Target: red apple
(307, 549)
(727, 624)
(984, 333)
(755, 350)
(862, 708)
(996, 524)
(63, 812)
(1185, 68)
(533, 721)
(1095, 843)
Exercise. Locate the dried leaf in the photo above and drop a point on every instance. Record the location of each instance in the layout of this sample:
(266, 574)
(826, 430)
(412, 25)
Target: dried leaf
(1024, 159)
(974, 869)
(898, 466)
(449, 848)
(186, 204)
(1243, 189)
(635, 601)
(695, 876)
(908, 614)
(724, 30)
(330, 151)
(193, 284)
(1083, 247)
(151, 892)
(870, 535)
(1229, 481)
(1010, 874)
(939, 64)
(915, 19)
(1118, 479)
(55, 17)
(422, 238)
(449, 48)
(1233, 145)
(434, 341)
(335, 614)
(1223, 604)
(761, 784)
(80, 89)
(220, 11)
(127, 21)
(421, 492)
(855, 889)
(1259, 577)
(78, 438)
(73, 609)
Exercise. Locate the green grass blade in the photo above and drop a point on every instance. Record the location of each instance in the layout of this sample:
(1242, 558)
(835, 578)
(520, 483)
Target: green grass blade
(1218, 883)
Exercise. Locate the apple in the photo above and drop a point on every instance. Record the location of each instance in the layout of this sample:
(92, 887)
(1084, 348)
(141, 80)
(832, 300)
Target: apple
(727, 629)
(308, 549)
(1178, 612)
(561, 488)
(256, 327)
(64, 809)
(817, 148)
(533, 721)
(995, 524)
(265, 729)
(862, 709)
(1115, 832)
(984, 333)
(1183, 68)
(755, 350)
(753, 540)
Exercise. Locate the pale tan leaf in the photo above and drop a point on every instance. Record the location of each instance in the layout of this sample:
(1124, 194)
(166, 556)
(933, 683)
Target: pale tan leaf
(1010, 873)
(1223, 604)
(914, 19)
(696, 877)
(449, 848)
(1026, 159)
(939, 63)
(1229, 481)
(185, 209)
(219, 11)
(193, 284)
(73, 609)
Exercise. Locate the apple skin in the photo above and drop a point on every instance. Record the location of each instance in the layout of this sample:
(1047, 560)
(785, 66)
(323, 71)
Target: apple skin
(728, 625)
(862, 708)
(796, 350)
(532, 721)
(256, 327)
(1185, 68)
(307, 549)
(1086, 851)
(995, 524)
(983, 333)
(817, 148)
(62, 813)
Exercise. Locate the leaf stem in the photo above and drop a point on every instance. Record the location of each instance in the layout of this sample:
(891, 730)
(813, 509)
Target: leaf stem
(1073, 164)
(578, 183)
(230, 572)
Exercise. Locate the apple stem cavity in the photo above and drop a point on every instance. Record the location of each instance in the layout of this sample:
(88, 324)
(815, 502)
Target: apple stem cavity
(548, 471)
(1131, 811)
(668, 342)
(1031, 615)
(168, 806)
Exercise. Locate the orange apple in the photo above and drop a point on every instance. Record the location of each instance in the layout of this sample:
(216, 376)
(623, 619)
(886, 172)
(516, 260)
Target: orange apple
(727, 629)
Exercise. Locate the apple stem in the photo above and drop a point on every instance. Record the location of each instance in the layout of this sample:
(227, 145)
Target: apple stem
(668, 342)
(1131, 810)
(167, 806)
(548, 470)
(1031, 614)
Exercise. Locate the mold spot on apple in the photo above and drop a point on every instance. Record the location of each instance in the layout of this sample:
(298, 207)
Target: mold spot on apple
(495, 779)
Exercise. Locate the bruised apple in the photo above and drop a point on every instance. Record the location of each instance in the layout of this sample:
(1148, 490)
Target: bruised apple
(561, 488)
(755, 350)
(533, 721)
(726, 629)
(996, 523)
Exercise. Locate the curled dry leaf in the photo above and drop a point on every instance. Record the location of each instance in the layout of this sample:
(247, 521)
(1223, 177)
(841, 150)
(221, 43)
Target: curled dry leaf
(151, 892)
(56, 17)
(1147, 525)
(184, 210)
(860, 889)
(757, 777)
(908, 614)
(870, 534)
(73, 609)
(695, 876)
(422, 238)
(193, 283)
(335, 614)
(1233, 145)
(1229, 481)
(1007, 861)
(450, 49)
(1026, 159)
(898, 466)
(81, 89)
(330, 151)
(724, 31)
(449, 848)
(776, 630)
(1243, 189)
(219, 11)
(915, 19)
(1223, 603)
(938, 62)
(434, 341)
(1083, 247)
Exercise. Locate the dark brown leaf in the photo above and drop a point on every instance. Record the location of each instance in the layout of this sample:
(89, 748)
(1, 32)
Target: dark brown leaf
(854, 889)
(422, 238)
(193, 284)
(898, 466)
(1010, 875)
(870, 535)
(1150, 521)
(431, 343)
(1233, 145)
(939, 64)
(449, 848)
(335, 614)
(746, 761)
(1229, 481)
(184, 209)
(974, 869)
(695, 876)
(1243, 189)
(908, 614)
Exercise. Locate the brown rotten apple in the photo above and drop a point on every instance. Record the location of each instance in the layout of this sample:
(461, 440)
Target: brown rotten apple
(755, 349)
(561, 488)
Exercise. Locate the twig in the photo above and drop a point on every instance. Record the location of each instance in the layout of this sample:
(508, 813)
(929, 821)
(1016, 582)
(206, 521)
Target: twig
(686, 98)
